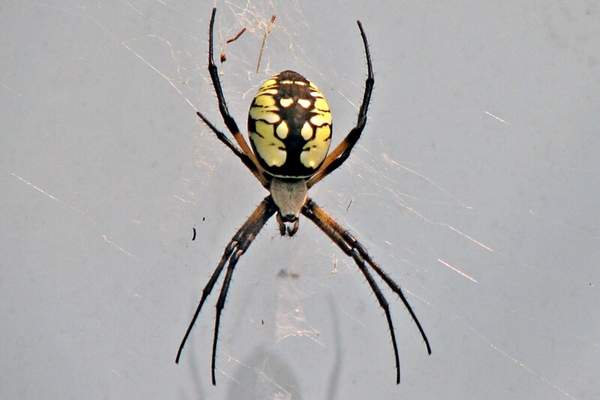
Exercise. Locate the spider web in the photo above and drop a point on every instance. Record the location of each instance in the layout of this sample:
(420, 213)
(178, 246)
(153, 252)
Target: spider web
(418, 195)
(481, 255)
(184, 69)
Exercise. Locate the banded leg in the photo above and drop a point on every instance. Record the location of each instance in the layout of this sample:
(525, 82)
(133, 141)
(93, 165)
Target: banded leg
(353, 242)
(349, 245)
(342, 150)
(227, 118)
(236, 247)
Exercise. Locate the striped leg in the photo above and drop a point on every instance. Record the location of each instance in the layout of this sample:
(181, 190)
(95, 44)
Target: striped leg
(234, 250)
(349, 245)
(246, 154)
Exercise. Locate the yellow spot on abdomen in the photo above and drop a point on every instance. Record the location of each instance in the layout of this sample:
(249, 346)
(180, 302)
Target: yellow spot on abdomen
(264, 129)
(269, 148)
(314, 151)
(266, 91)
(286, 102)
(264, 100)
(321, 104)
(323, 134)
(282, 130)
(265, 114)
(304, 103)
(306, 131)
(321, 119)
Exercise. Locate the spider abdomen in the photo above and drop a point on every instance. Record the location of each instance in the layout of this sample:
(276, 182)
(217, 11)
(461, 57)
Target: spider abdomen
(290, 124)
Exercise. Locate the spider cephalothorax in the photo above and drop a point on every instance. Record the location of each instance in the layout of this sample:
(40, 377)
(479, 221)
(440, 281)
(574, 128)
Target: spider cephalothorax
(289, 124)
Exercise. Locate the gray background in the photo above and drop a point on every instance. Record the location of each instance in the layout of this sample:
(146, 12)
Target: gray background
(475, 185)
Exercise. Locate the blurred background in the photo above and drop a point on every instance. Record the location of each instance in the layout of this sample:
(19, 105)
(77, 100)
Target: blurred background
(475, 185)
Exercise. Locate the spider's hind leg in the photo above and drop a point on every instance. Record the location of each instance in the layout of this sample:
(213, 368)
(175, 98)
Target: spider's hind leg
(238, 245)
(349, 245)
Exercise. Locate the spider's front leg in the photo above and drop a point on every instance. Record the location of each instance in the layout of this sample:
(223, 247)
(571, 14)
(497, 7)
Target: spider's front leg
(342, 150)
(245, 154)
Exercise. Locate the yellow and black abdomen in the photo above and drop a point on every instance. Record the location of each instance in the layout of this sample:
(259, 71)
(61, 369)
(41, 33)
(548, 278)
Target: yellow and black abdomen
(290, 126)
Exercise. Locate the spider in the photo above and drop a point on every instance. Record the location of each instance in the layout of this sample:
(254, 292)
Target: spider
(289, 125)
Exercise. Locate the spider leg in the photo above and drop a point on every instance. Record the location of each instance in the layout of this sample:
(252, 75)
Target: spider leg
(321, 215)
(227, 118)
(342, 150)
(349, 245)
(382, 302)
(243, 156)
(236, 247)
(205, 293)
(221, 304)
(245, 241)
(353, 242)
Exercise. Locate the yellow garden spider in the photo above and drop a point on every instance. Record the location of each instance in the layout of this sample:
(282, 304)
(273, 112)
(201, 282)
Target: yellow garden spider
(289, 125)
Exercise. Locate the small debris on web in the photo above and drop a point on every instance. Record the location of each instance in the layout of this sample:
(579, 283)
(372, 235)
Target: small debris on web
(283, 273)
(194, 236)
(223, 56)
(262, 46)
